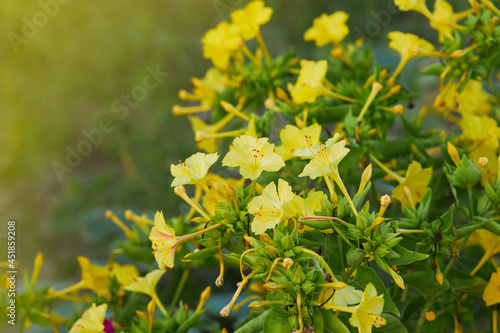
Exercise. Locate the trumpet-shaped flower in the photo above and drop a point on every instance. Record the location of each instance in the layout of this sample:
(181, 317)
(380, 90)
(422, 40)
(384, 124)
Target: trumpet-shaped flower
(491, 293)
(268, 207)
(490, 243)
(480, 130)
(309, 83)
(415, 5)
(443, 19)
(294, 139)
(194, 169)
(328, 29)
(163, 241)
(325, 158)
(304, 207)
(95, 278)
(366, 314)
(408, 46)
(205, 89)
(147, 285)
(92, 320)
(253, 156)
(217, 192)
(250, 18)
(220, 43)
(472, 100)
(413, 186)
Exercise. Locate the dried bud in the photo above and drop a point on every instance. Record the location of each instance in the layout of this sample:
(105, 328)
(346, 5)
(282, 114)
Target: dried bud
(430, 316)
(385, 200)
(287, 263)
(483, 161)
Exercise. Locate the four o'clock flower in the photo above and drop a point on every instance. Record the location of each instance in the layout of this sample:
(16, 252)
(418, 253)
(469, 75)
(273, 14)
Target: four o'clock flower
(164, 241)
(253, 156)
(147, 285)
(366, 314)
(267, 208)
(294, 139)
(92, 320)
(325, 159)
(250, 18)
(193, 170)
(328, 29)
(309, 85)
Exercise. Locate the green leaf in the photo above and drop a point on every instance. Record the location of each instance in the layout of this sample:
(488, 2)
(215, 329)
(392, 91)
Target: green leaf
(474, 286)
(435, 69)
(191, 321)
(254, 325)
(425, 283)
(365, 275)
(277, 322)
(332, 323)
(405, 257)
(423, 208)
(318, 324)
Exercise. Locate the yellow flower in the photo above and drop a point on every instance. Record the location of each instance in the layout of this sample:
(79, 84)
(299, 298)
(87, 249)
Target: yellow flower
(294, 138)
(208, 136)
(416, 5)
(304, 207)
(366, 314)
(147, 285)
(194, 169)
(95, 278)
(443, 19)
(408, 46)
(267, 208)
(480, 130)
(413, 186)
(253, 156)
(328, 29)
(473, 100)
(309, 83)
(163, 241)
(325, 158)
(490, 243)
(250, 18)
(220, 43)
(205, 89)
(491, 293)
(492, 166)
(124, 273)
(92, 320)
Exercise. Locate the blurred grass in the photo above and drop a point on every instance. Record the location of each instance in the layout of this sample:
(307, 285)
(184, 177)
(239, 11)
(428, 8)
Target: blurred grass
(64, 80)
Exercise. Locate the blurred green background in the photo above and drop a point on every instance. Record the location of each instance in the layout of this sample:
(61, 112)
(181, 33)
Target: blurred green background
(64, 76)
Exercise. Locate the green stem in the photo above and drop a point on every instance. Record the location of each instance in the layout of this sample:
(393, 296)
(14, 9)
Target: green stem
(341, 255)
(471, 202)
(178, 291)
(421, 319)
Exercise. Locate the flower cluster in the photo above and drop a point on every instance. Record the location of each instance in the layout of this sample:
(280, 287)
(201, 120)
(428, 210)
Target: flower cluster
(353, 216)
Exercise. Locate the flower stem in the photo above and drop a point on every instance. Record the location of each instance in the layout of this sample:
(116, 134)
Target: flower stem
(421, 319)
(341, 255)
(178, 290)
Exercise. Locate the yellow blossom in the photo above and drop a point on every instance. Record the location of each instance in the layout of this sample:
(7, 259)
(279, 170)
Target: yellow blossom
(490, 243)
(325, 159)
(205, 89)
(480, 130)
(472, 100)
(304, 207)
(94, 277)
(253, 156)
(415, 5)
(194, 169)
(328, 29)
(490, 171)
(147, 285)
(293, 138)
(124, 274)
(267, 208)
(163, 241)
(92, 320)
(366, 314)
(408, 46)
(220, 43)
(309, 83)
(413, 186)
(444, 20)
(207, 136)
(250, 18)
(491, 293)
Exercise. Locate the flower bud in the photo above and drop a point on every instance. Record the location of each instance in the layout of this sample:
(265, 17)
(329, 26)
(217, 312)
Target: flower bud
(452, 151)
(430, 316)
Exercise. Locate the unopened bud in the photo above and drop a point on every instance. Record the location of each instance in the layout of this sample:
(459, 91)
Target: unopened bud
(183, 94)
(430, 316)
(365, 178)
(399, 109)
(452, 151)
